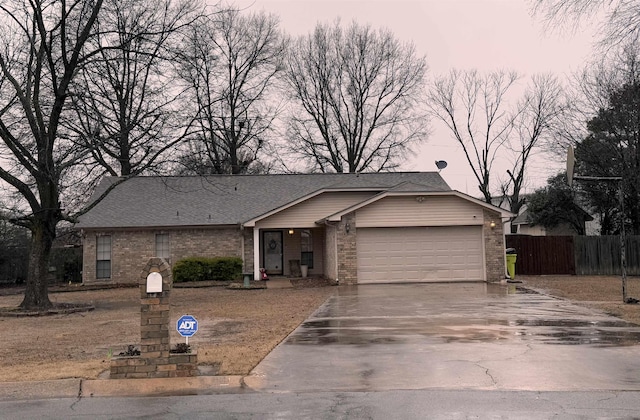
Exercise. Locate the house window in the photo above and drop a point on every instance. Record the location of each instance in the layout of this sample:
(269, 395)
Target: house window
(103, 257)
(162, 245)
(306, 248)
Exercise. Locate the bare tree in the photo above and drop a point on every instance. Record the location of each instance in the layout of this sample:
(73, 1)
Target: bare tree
(588, 91)
(472, 106)
(42, 46)
(127, 110)
(476, 110)
(621, 23)
(358, 91)
(230, 62)
(536, 117)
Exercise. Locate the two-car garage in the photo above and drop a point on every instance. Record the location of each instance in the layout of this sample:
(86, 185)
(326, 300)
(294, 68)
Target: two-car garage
(409, 236)
(419, 254)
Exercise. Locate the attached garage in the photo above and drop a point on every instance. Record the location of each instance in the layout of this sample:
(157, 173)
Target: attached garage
(419, 254)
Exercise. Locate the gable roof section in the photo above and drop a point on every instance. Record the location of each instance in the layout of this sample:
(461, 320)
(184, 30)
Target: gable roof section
(411, 190)
(229, 199)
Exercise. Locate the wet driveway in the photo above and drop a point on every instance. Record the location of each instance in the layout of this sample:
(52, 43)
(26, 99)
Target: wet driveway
(453, 336)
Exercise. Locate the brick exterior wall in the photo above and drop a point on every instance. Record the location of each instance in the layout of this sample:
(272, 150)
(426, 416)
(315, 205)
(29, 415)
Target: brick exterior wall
(347, 256)
(131, 249)
(494, 246)
(247, 233)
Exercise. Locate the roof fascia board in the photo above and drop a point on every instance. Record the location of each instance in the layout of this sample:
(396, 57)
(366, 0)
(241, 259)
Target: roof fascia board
(155, 227)
(337, 216)
(252, 222)
(503, 212)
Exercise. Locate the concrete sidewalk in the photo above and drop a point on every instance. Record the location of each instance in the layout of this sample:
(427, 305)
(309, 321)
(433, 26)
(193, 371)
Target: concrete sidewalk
(82, 388)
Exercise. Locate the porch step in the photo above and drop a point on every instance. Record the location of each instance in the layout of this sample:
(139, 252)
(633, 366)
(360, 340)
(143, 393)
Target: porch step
(278, 283)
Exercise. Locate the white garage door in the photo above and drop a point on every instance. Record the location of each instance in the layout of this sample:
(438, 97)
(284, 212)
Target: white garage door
(420, 254)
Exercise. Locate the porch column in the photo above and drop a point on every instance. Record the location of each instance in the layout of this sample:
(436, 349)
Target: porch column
(256, 253)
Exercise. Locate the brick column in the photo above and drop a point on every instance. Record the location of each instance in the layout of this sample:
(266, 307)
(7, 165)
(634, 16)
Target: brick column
(494, 246)
(347, 257)
(154, 315)
(155, 360)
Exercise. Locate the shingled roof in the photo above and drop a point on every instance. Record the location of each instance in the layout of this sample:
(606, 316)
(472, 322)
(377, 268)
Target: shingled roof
(229, 199)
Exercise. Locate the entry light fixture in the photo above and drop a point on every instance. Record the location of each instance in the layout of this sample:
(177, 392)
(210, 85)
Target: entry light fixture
(291, 231)
(492, 224)
(347, 227)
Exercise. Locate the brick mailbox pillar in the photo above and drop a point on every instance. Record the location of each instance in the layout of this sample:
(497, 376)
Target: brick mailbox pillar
(155, 284)
(155, 360)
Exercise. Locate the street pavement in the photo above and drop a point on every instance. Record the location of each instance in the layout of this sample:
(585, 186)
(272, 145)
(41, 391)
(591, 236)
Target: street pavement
(384, 405)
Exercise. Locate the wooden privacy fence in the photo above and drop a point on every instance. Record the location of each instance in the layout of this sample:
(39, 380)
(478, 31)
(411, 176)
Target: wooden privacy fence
(601, 255)
(543, 254)
(582, 255)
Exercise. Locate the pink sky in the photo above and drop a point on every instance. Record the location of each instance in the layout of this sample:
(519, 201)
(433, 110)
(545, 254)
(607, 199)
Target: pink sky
(463, 34)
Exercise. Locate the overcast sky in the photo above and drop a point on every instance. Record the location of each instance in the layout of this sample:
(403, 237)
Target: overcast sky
(463, 34)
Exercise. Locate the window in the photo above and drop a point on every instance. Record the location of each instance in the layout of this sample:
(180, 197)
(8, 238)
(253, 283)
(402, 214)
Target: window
(162, 245)
(103, 257)
(306, 248)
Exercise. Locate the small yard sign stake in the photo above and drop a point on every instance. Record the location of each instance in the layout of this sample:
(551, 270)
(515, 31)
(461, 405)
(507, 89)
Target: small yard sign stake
(187, 326)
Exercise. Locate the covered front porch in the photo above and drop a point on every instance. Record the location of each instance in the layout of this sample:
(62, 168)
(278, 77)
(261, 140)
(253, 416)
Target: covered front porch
(287, 251)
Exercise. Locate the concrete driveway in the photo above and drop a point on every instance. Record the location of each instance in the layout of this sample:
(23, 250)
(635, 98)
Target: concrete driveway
(452, 336)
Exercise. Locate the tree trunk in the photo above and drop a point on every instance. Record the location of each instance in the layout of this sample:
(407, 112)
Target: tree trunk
(36, 294)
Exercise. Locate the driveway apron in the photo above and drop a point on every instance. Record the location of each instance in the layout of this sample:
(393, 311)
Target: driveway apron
(452, 336)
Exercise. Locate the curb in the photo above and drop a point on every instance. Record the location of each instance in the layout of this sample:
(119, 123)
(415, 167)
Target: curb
(79, 388)
(63, 388)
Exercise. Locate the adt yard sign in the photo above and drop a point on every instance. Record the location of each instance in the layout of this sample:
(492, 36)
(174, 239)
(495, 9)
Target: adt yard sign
(187, 325)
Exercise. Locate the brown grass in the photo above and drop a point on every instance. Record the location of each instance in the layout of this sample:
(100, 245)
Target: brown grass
(599, 292)
(237, 328)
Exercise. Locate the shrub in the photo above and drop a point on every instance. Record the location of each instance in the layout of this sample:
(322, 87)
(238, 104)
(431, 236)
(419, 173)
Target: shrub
(188, 269)
(201, 269)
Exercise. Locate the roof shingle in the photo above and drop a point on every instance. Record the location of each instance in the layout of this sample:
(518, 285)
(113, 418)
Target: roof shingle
(229, 199)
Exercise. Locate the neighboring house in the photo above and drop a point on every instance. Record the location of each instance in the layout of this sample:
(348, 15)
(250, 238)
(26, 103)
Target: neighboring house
(350, 228)
(524, 227)
(520, 224)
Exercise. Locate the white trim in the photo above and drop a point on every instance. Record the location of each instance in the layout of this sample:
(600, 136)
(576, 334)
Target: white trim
(336, 217)
(256, 254)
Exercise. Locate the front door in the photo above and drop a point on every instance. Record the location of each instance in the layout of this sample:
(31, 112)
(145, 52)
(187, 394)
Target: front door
(272, 251)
